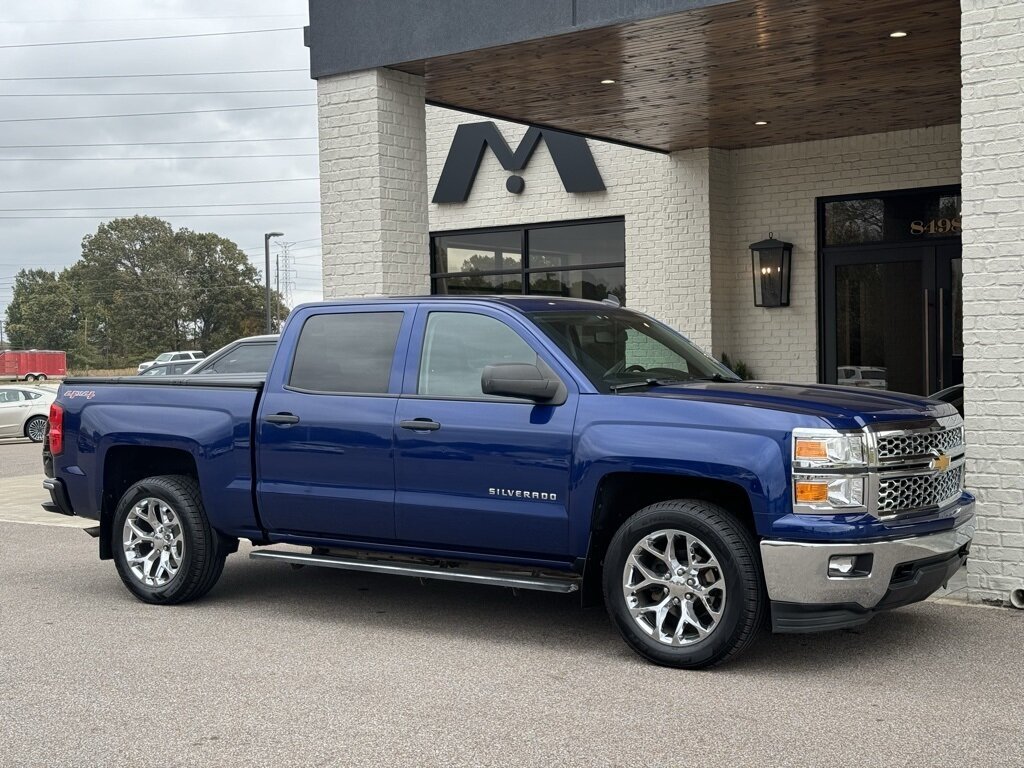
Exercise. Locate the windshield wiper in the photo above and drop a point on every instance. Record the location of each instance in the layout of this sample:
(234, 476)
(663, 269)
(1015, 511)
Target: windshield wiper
(643, 383)
(716, 377)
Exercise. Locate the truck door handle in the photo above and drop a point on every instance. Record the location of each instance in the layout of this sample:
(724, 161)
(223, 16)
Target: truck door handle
(421, 424)
(282, 418)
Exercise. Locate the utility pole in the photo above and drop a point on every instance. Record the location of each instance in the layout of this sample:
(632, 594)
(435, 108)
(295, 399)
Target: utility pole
(266, 272)
(277, 289)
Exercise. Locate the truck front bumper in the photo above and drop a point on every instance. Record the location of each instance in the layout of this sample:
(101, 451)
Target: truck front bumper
(807, 597)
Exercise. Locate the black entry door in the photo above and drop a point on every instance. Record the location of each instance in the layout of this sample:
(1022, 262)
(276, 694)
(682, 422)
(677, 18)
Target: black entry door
(892, 317)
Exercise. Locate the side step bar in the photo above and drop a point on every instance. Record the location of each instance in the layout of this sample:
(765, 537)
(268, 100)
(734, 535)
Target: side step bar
(474, 576)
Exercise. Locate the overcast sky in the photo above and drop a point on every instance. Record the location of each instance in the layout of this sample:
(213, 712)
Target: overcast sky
(53, 243)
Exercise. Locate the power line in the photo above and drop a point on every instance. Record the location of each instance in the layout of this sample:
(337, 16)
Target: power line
(162, 207)
(155, 74)
(162, 157)
(152, 114)
(150, 37)
(154, 93)
(156, 143)
(181, 215)
(156, 186)
(79, 20)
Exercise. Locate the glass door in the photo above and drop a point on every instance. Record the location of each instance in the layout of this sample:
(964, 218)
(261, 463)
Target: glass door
(893, 318)
(877, 307)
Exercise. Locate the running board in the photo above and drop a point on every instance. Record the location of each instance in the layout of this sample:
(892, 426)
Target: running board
(477, 576)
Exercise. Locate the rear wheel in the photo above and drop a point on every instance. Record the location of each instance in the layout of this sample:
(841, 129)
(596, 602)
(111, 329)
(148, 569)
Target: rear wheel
(164, 548)
(683, 583)
(30, 377)
(35, 429)
(41, 377)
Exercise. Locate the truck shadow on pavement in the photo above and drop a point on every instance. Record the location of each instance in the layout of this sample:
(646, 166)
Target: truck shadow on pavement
(449, 612)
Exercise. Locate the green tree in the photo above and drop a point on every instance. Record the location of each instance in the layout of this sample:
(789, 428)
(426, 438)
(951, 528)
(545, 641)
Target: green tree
(141, 288)
(41, 313)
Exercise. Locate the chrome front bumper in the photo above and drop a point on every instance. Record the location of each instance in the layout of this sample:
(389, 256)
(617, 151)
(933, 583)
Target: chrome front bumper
(797, 572)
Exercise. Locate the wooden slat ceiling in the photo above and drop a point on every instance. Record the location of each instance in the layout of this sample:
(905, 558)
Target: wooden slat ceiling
(814, 69)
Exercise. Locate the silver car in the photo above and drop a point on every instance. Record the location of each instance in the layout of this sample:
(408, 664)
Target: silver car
(24, 411)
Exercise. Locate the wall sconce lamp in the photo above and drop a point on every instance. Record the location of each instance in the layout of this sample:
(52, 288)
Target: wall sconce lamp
(771, 260)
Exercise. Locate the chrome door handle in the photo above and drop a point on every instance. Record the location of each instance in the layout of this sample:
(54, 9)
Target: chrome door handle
(283, 419)
(927, 339)
(940, 364)
(420, 425)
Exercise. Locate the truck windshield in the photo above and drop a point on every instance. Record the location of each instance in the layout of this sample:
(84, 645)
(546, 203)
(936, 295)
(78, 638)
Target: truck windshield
(616, 347)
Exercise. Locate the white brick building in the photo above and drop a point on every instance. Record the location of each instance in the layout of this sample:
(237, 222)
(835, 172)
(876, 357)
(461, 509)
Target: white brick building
(845, 138)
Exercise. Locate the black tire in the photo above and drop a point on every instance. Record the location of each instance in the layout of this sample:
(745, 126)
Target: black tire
(745, 599)
(204, 549)
(36, 426)
(30, 377)
(41, 377)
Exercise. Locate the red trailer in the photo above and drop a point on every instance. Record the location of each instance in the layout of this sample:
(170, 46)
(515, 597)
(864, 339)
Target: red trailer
(32, 365)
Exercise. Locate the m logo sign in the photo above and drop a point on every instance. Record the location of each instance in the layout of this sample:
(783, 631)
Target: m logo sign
(570, 154)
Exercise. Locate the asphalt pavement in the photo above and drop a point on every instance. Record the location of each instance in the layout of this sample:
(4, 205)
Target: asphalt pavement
(316, 667)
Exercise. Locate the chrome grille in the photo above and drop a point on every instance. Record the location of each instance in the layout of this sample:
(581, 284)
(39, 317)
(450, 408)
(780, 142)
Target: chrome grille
(901, 494)
(908, 444)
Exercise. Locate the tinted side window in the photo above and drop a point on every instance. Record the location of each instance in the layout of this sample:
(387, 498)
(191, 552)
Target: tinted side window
(456, 348)
(350, 352)
(30, 395)
(246, 358)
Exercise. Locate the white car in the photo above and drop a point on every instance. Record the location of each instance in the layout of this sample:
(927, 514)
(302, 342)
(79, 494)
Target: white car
(24, 411)
(872, 377)
(173, 357)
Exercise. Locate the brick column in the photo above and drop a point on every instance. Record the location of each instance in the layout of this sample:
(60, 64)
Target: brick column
(992, 69)
(668, 246)
(373, 184)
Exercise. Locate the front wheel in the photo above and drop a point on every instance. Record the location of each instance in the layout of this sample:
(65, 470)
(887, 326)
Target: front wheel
(164, 548)
(683, 583)
(35, 429)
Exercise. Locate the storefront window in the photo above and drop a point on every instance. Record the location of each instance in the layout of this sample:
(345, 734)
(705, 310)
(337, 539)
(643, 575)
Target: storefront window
(585, 260)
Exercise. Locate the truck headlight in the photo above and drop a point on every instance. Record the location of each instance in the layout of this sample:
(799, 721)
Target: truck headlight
(822, 449)
(826, 493)
(829, 471)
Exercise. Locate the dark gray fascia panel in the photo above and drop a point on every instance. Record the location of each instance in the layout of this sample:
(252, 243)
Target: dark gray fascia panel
(350, 35)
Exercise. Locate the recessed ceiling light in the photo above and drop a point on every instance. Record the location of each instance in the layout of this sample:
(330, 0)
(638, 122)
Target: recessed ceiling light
(761, 122)
(897, 34)
(607, 81)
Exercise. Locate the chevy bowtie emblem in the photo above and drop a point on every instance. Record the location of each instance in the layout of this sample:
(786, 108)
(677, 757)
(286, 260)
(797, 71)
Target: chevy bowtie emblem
(940, 463)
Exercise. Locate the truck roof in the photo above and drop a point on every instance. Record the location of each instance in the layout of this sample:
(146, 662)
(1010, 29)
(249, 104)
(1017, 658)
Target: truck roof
(519, 303)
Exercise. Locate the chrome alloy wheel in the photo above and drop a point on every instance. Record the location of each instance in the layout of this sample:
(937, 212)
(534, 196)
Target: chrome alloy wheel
(154, 543)
(674, 587)
(37, 430)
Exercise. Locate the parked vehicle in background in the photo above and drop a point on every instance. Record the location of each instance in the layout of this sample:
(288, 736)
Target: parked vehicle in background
(862, 376)
(168, 369)
(252, 354)
(526, 442)
(173, 357)
(32, 364)
(23, 412)
(953, 395)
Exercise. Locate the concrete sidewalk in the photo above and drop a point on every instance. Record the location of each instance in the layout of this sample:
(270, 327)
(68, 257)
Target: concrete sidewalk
(21, 500)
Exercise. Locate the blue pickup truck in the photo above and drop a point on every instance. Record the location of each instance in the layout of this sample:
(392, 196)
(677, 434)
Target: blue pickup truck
(528, 442)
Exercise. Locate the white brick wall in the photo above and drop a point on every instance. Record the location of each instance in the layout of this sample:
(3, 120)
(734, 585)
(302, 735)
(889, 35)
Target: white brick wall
(373, 184)
(664, 199)
(774, 189)
(992, 50)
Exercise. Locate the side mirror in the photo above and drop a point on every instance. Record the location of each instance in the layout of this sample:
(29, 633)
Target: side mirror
(524, 380)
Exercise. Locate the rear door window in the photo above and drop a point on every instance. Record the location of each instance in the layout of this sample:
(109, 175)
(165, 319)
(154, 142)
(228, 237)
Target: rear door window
(349, 352)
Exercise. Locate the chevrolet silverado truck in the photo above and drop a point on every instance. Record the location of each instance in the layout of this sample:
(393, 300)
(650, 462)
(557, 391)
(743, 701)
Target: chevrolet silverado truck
(527, 442)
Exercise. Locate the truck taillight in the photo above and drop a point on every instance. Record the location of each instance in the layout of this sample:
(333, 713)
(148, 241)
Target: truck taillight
(56, 429)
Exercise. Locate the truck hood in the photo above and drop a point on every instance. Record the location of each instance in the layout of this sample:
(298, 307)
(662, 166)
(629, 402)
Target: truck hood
(843, 407)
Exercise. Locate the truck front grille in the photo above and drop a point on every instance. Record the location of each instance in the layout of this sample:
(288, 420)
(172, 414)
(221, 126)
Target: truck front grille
(909, 444)
(901, 495)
